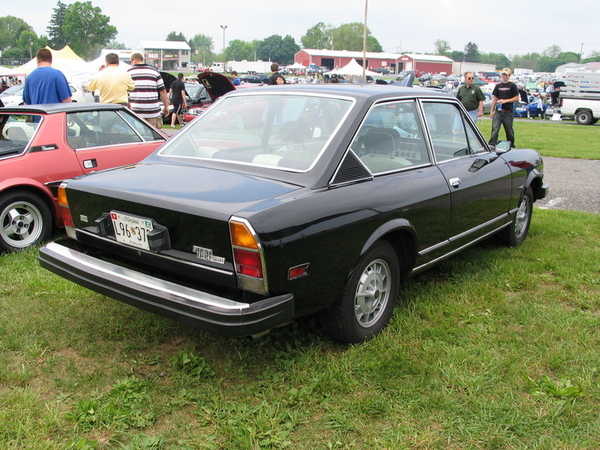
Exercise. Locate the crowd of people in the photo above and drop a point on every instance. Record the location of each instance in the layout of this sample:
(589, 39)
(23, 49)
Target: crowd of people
(142, 89)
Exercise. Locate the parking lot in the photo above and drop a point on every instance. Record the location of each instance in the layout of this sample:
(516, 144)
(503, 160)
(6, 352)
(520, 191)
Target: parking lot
(570, 184)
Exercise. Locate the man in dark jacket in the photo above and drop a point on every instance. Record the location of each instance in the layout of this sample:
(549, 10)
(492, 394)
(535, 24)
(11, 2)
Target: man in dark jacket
(276, 78)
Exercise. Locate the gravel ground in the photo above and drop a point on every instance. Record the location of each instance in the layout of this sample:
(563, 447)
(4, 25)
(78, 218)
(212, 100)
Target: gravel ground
(574, 184)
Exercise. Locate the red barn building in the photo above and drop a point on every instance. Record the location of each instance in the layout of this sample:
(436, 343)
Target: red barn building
(394, 62)
(425, 63)
(334, 59)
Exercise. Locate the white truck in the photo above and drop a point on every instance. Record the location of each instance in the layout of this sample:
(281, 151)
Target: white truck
(580, 97)
(242, 66)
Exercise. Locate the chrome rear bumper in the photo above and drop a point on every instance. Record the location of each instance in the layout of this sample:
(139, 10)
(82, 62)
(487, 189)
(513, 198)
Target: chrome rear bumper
(194, 307)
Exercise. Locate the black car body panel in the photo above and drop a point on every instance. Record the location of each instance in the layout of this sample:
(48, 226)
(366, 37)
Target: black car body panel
(312, 199)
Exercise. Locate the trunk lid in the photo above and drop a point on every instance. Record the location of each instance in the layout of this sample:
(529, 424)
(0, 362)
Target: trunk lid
(194, 205)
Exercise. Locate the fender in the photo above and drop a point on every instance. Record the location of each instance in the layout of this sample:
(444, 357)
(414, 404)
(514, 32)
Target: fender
(386, 228)
(43, 190)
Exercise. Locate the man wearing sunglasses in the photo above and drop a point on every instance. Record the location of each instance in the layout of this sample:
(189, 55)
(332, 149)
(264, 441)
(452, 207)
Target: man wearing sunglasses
(504, 95)
(471, 97)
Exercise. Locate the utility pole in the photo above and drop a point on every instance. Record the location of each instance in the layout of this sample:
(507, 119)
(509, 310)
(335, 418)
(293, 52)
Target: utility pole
(224, 27)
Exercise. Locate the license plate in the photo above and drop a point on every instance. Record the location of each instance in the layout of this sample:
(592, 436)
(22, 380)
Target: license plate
(131, 230)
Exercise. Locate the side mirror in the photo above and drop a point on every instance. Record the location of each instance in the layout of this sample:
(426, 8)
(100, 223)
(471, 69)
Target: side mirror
(501, 147)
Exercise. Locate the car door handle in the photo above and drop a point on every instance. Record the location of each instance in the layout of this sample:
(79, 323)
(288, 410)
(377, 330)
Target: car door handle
(90, 163)
(454, 182)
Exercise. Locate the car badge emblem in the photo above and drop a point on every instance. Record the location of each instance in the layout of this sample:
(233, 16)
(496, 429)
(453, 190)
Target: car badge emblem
(207, 255)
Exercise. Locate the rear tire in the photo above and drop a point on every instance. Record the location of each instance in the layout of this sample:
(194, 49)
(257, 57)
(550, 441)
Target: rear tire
(516, 232)
(368, 300)
(25, 221)
(584, 117)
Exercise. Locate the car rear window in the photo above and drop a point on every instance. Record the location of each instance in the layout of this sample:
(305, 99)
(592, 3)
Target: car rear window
(287, 132)
(16, 131)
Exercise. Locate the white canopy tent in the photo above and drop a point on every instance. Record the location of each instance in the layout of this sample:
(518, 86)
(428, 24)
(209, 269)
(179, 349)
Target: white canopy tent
(77, 71)
(352, 69)
(8, 72)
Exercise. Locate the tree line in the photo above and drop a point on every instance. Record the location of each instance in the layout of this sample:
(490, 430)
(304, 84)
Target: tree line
(547, 61)
(86, 30)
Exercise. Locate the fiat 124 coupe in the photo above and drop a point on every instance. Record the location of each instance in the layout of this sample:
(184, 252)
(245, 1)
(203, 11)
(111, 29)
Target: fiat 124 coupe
(319, 205)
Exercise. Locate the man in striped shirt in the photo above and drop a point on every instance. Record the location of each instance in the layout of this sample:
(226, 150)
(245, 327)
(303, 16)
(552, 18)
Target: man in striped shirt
(145, 100)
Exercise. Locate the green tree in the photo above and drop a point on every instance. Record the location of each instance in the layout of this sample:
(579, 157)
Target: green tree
(56, 34)
(28, 44)
(238, 50)
(10, 30)
(527, 61)
(318, 37)
(441, 47)
(548, 64)
(457, 55)
(117, 45)
(569, 57)
(349, 36)
(472, 52)
(202, 49)
(173, 36)
(500, 60)
(87, 29)
(592, 57)
(277, 49)
(553, 51)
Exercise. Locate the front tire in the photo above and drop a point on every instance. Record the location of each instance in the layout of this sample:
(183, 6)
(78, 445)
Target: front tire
(368, 300)
(516, 233)
(25, 221)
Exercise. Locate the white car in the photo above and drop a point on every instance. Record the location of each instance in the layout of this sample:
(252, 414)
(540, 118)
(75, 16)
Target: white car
(13, 96)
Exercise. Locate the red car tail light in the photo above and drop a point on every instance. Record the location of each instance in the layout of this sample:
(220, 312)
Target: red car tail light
(247, 263)
(248, 256)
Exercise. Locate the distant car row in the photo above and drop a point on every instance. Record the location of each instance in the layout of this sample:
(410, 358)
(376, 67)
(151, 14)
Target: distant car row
(13, 96)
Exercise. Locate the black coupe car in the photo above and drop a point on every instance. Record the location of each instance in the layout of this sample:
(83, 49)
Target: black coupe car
(321, 204)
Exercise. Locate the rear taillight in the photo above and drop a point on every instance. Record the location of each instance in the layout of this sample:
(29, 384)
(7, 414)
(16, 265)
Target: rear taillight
(248, 256)
(64, 211)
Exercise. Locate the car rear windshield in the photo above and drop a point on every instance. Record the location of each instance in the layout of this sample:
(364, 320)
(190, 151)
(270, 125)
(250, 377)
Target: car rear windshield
(16, 131)
(287, 132)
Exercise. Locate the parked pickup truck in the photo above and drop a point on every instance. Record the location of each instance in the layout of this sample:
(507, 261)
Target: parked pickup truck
(580, 98)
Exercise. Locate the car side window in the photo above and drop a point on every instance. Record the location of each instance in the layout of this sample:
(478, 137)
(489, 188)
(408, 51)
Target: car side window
(391, 138)
(99, 128)
(16, 131)
(451, 134)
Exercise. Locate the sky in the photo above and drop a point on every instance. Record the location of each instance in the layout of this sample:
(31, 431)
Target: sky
(512, 27)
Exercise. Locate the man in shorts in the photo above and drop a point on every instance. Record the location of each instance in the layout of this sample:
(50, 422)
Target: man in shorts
(178, 100)
(149, 92)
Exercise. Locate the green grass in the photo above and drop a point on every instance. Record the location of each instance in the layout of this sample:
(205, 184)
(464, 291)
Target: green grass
(496, 348)
(558, 139)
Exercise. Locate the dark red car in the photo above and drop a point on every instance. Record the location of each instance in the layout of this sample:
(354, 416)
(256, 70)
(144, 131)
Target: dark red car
(42, 145)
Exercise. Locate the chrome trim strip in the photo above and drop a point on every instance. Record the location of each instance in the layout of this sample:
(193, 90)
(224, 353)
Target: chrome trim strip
(456, 250)
(162, 254)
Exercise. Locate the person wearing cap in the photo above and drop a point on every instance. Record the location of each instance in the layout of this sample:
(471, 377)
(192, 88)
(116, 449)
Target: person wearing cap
(178, 100)
(504, 96)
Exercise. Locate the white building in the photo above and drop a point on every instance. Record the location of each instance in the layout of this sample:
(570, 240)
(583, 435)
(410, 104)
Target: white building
(166, 55)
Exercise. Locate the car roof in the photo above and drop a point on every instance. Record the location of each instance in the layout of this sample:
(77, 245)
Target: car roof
(55, 108)
(364, 95)
(360, 92)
